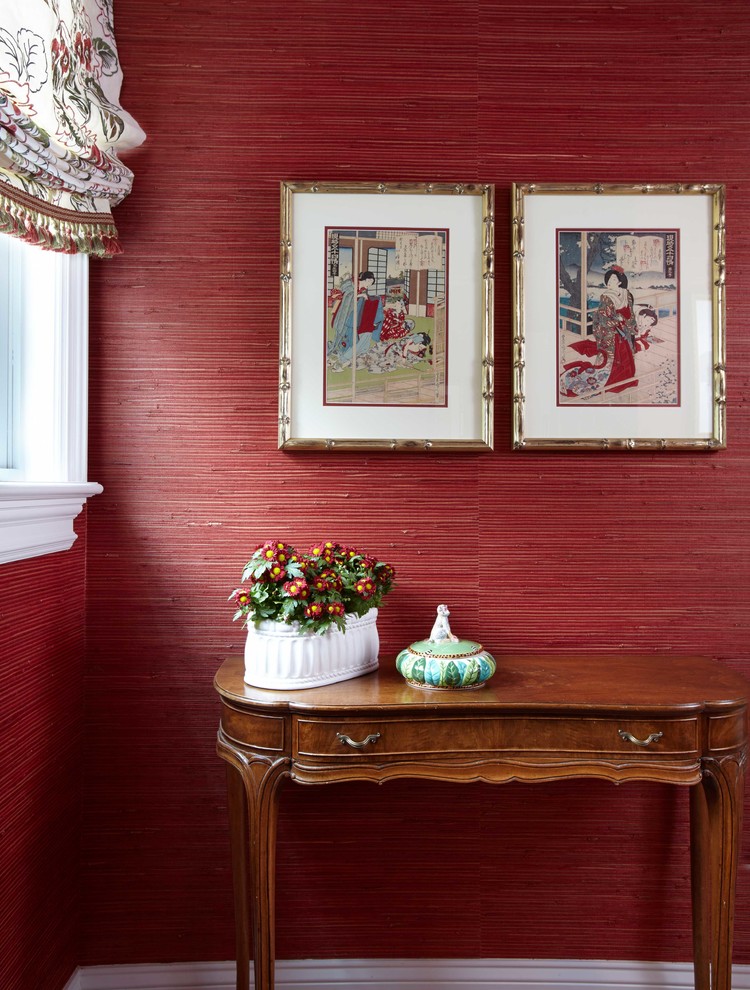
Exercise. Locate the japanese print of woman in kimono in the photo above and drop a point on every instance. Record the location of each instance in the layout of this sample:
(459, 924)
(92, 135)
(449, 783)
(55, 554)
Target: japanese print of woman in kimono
(342, 323)
(400, 353)
(614, 330)
(395, 323)
(611, 363)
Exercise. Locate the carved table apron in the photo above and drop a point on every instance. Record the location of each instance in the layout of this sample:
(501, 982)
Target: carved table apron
(679, 720)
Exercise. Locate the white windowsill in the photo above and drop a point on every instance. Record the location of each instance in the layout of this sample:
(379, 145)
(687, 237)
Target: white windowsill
(38, 518)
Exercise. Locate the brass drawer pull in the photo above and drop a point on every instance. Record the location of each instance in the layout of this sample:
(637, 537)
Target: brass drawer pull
(629, 737)
(348, 741)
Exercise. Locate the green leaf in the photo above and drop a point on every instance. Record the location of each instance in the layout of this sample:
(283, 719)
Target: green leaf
(288, 608)
(106, 53)
(79, 100)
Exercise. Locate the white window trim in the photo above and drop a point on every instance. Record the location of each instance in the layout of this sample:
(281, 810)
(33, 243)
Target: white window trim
(38, 519)
(37, 510)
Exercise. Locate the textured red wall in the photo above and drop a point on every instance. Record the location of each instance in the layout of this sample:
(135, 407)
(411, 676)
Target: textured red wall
(41, 746)
(642, 551)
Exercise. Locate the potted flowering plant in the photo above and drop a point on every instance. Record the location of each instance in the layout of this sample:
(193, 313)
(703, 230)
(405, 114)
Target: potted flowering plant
(315, 589)
(310, 616)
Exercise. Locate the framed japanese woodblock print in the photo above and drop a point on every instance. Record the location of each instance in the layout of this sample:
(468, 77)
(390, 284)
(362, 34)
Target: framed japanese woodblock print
(386, 316)
(618, 312)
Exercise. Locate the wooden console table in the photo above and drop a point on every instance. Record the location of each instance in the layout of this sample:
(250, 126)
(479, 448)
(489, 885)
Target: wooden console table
(680, 720)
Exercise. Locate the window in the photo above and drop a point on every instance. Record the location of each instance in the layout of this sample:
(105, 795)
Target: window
(10, 366)
(435, 285)
(377, 263)
(43, 391)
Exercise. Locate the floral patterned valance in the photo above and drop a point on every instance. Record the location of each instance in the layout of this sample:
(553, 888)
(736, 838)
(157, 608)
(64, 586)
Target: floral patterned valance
(61, 125)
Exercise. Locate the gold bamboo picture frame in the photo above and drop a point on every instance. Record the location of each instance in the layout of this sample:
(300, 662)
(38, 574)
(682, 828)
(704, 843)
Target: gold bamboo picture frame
(618, 316)
(386, 335)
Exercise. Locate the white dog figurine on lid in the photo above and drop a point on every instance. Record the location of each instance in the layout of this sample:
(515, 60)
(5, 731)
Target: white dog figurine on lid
(441, 630)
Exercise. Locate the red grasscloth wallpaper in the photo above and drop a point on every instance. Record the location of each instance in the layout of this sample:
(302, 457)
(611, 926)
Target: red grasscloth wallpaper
(41, 749)
(534, 551)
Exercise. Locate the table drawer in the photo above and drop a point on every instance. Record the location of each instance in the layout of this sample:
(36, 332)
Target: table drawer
(371, 738)
(249, 729)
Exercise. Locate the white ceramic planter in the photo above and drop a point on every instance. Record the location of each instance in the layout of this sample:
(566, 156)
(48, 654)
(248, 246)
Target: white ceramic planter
(278, 655)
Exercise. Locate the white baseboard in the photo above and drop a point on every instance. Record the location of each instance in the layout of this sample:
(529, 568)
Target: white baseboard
(407, 974)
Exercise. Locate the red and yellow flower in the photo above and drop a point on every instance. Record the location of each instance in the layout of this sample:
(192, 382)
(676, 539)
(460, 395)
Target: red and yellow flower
(333, 581)
(320, 583)
(241, 597)
(276, 550)
(297, 588)
(365, 588)
(324, 550)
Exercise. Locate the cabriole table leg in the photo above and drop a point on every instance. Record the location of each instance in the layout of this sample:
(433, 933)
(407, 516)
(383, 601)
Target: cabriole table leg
(253, 810)
(715, 826)
(238, 837)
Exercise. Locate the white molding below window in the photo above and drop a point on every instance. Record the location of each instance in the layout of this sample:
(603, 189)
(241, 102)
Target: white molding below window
(38, 518)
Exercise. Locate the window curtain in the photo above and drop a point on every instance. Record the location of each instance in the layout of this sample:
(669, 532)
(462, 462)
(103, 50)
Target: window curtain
(61, 125)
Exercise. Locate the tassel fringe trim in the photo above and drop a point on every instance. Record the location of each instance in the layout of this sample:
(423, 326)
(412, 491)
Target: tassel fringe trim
(63, 231)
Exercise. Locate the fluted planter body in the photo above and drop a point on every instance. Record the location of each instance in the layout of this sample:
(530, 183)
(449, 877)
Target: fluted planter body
(278, 655)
